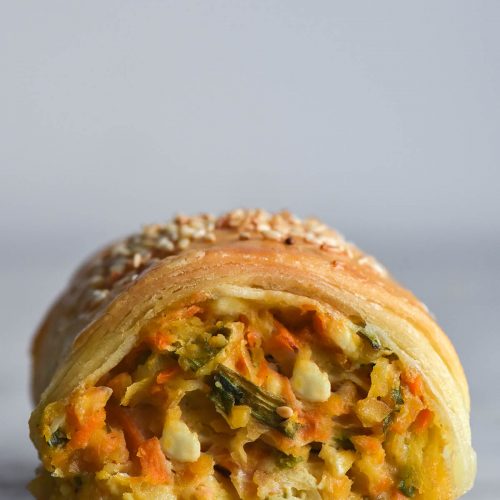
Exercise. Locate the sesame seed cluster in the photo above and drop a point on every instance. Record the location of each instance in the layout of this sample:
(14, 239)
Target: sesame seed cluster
(124, 261)
(282, 226)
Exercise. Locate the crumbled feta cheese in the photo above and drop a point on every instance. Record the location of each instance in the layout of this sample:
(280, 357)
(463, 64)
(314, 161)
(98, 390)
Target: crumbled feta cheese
(309, 382)
(179, 443)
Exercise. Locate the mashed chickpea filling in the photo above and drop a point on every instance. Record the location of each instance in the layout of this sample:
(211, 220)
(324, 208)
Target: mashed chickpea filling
(248, 398)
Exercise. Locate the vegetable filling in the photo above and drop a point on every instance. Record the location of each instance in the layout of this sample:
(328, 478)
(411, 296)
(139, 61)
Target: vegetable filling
(238, 398)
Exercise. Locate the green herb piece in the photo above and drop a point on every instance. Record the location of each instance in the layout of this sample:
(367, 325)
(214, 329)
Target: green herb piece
(58, 438)
(199, 351)
(406, 489)
(199, 356)
(397, 396)
(344, 443)
(230, 389)
(371, 338)
(285, 461)
(387, 421)
(289, 427)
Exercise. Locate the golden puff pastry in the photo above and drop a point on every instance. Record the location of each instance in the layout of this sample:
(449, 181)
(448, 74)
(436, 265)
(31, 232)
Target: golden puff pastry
(251, 356)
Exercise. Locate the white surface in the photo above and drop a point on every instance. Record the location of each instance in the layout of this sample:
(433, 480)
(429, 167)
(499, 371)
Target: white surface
(380, 117)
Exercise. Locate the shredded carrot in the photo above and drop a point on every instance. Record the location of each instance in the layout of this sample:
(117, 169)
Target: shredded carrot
(319, 323)
(186, 312)
(240, 365)
(423, 420)
(316, 425)
(86, 414)
(154, 465)
(287, 391)
(414, 382)
(317, 421)
(284, 338)
(263, 370)
(368, 444)
(133, 435)
(119, 384)
(167, 374)
(253, 339)
(160, 338)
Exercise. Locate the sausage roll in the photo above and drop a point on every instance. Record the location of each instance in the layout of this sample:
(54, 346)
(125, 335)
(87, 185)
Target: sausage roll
(253, 356)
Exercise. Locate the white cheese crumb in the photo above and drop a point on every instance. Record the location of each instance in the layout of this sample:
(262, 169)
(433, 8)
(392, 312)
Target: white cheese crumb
(309, 382)
(179, 443)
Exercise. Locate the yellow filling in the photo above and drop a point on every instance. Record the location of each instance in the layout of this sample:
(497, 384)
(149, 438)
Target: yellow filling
(234, 398)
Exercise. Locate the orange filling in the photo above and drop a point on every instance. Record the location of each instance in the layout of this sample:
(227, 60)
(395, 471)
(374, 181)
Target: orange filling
(209, 394)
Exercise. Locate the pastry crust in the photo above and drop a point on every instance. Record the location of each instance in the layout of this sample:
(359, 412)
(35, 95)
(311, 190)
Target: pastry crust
(97, 320)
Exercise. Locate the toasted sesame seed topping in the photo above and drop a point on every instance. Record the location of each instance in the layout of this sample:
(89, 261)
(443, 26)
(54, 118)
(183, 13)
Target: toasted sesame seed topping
(183, 243)
(99, 295)
(165, 244)
(245, 236)
(284, 411)
(137, 260)
(118, 266)
(272, 234)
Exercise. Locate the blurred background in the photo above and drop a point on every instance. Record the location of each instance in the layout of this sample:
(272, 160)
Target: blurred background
(382, 118)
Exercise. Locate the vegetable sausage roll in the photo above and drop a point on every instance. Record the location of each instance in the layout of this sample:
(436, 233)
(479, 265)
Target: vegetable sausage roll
(251, 356)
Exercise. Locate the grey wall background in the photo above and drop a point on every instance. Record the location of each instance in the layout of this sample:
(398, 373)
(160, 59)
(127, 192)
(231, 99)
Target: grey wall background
(382, 118)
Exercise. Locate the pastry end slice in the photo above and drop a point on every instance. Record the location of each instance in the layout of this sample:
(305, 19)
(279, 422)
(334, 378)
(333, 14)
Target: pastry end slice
(253, 356)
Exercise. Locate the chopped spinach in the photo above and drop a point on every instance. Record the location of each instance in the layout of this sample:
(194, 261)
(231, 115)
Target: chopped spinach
(230, 389)
(387, 421)
(289, 427)
(58, 438)
(199, 351)
(407, 490)
(285, 461)
(397, 396)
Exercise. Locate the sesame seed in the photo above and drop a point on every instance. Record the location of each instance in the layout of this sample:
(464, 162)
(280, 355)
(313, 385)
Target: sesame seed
(165, 244)
(99, 295)
(210, 237)
(95, 279)
(271, 234)
(120, 249)
(186, 231)
(199, 234)
(117, 266)
(263, 226)
(183, 243)
(137, 261)
(378, 268)
(284, 411)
